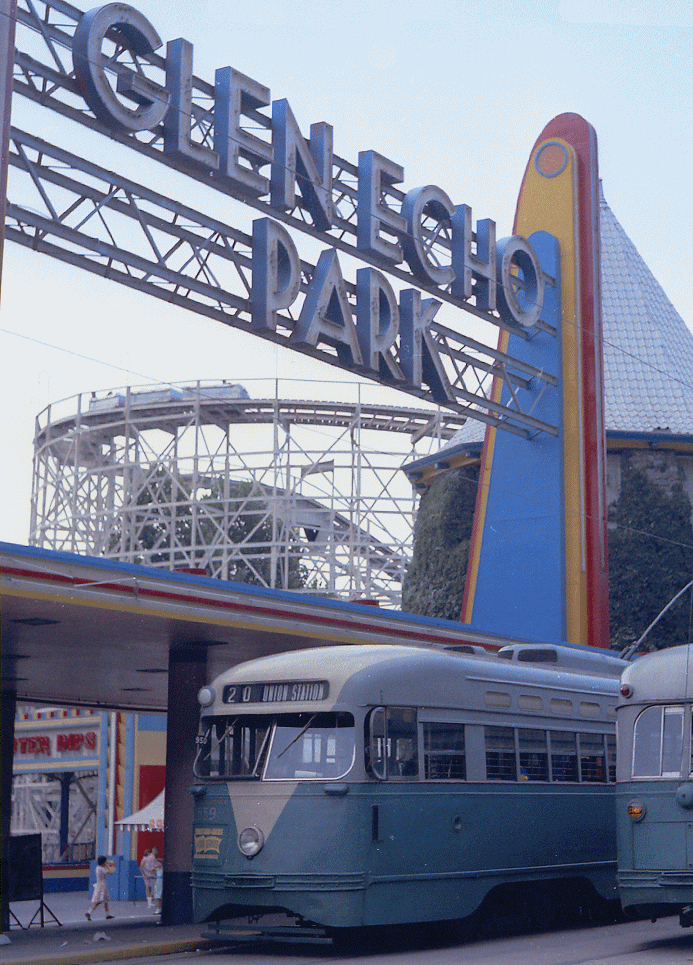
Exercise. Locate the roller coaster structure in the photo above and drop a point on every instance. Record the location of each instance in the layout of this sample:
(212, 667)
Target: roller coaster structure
(283, 493)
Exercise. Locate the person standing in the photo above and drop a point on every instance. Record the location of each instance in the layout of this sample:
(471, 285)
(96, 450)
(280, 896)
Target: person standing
(147, 889)
(104, 867)
(150, 863)
(158, 888)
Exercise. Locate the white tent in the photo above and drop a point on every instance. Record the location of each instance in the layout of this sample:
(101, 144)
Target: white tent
(149, 818)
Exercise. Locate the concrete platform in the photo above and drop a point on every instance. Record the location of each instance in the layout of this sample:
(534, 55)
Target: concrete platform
(134, 932)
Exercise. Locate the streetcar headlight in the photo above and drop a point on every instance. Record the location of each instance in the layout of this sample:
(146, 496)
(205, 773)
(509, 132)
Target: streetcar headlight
(206, 696)
(250, 841)
(636, 810)
(684, 795)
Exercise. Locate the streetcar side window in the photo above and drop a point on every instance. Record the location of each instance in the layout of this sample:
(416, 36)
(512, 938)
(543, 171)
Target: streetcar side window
(611, 757)
(376, 760)
(658, 742)
(592, 769)
(525, 754)
(534, 760)
(403, 741)
(563, 756)
(672, 741)
(393, 743)
(444, 753)
(501, 763)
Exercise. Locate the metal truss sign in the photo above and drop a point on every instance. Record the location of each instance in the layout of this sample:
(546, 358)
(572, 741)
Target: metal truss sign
(101, 69)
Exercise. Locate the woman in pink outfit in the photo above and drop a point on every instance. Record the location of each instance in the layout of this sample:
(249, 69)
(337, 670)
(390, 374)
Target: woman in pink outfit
(104, 867)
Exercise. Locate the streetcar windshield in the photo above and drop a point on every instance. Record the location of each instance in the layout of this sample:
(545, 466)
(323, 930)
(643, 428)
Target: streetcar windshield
(277, 747)
(232, 747)
(310, 747)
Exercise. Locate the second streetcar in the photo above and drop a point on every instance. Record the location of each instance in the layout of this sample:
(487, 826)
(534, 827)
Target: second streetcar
(654, 794)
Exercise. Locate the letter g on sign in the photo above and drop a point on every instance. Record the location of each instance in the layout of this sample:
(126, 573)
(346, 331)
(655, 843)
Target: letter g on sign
(126, 26)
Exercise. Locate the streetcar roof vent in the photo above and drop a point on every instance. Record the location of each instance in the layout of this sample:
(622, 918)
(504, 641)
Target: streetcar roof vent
(541, 655)
(529, 654)
(568, 658)
(468, 648)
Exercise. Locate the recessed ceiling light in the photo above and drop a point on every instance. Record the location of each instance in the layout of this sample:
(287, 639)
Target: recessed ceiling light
(35, 621)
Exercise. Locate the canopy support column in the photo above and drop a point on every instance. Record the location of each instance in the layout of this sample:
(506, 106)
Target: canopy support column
(187, 670)
(9, 706)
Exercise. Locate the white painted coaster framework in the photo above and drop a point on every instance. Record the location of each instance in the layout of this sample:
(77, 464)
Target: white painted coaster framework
(36, 809)
(289, 494)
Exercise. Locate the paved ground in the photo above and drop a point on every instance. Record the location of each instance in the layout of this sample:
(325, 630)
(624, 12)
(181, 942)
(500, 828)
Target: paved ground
(134, 932)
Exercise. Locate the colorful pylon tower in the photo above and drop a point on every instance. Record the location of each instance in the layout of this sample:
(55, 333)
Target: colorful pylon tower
(538, 558)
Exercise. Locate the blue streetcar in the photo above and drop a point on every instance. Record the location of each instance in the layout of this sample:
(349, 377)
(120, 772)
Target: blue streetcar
(654, 794)
(371, 785)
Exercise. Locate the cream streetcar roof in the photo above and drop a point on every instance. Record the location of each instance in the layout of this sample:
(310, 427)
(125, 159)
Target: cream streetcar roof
(382, 674)
(664, 675)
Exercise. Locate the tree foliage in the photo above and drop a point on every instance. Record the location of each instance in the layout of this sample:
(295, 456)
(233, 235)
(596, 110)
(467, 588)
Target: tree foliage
(250, 529)
(650, 560)
(163, 520)
(434, 582)
(226, 527)
(650, 556)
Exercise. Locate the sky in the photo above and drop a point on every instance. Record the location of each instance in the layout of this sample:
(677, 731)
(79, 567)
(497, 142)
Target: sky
(455, 91)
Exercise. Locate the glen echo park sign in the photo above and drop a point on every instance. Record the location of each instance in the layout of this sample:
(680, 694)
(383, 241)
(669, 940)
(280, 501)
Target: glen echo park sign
(504, 277)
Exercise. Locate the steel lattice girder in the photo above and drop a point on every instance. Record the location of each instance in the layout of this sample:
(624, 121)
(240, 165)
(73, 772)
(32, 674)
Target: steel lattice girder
(206, 251)
(214, 276)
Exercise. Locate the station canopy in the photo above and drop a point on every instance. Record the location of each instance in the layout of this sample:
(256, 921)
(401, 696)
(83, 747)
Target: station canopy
(88, 632)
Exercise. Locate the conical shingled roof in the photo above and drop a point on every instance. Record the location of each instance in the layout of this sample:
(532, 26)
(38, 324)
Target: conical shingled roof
(648, 350)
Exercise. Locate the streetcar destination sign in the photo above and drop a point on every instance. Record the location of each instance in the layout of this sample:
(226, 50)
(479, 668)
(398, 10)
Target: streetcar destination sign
(295, 691)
